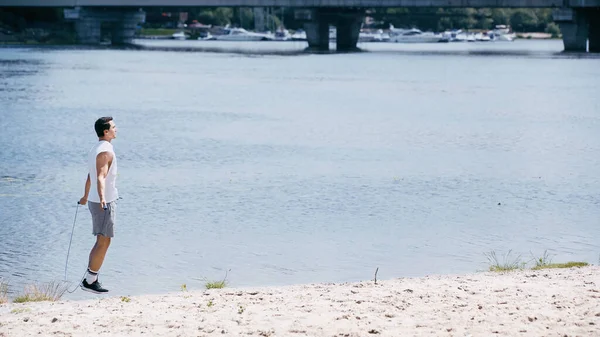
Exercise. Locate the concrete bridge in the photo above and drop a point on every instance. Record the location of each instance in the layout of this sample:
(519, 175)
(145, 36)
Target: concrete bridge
(579, 20)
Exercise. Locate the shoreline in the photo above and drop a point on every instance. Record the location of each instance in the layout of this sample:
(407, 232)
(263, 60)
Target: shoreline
(525, 302)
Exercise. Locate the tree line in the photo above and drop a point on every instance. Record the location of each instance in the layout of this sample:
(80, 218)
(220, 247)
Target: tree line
(432, 19)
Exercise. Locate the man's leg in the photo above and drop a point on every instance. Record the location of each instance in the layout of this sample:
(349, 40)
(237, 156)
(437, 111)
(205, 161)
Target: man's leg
(103, 222)
(95, 263)
(98, 252)
(90, 283)
(97, 257)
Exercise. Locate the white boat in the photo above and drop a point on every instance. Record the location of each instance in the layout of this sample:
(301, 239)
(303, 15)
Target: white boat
(282, 35)
(413, 36)
(240, 34)
(299, 35)
(458, 36)
(206, 37)
(502, 33)
(381, 36)
(482, 37)
(179, 36)
(378, 36)
(505, 37)
(366, 37)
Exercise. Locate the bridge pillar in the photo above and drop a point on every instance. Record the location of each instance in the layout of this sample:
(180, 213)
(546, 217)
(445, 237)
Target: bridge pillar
(594, 19)
(89, 23)
(259, 19)
(88, 30)
(574, 27)
(124, 26)
(317, 21)
(317, 30)
(348, 29)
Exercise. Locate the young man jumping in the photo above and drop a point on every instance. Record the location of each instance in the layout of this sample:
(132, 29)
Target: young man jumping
(101, 182)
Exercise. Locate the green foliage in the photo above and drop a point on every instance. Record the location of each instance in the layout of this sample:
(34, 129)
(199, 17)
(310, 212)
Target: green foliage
(507, 263)
(543, 261)
(3, 291)
(432, 19)
(523, 20)
(215, 284)
(51, 291)
(217, 17)
(500, 16)
(20, 310)
(560, 265)
(158, 31)
(440, 19)
(515, 263)
(552, 28)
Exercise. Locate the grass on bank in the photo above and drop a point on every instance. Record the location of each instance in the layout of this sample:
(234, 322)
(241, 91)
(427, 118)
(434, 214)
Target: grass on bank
(217, 284)
(561, 265)
(545, 262)
(157, 31)
(3, 291)
(514, 263)
(52, 291)
(507, 264)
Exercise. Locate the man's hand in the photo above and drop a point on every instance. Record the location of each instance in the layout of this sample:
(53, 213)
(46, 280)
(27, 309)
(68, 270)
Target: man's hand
(103, 204)
(88, 183)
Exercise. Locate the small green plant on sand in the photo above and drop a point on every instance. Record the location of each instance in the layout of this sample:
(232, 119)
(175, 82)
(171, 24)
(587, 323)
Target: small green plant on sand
(507, 264)
(210, 304)
(543, 261)
(241, 310)
(3, 291)
(184, 287)
(20, 310)
(217, 284)
(51, 291)
(561, 265)
(125, 299)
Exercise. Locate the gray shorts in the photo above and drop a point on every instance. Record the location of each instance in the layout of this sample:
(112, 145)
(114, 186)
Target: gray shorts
(103, 221)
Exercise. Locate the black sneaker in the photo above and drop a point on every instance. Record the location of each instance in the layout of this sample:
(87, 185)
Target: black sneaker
(95, 287)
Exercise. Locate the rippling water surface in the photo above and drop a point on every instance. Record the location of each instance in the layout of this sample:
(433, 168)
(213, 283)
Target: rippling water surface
(293, 168)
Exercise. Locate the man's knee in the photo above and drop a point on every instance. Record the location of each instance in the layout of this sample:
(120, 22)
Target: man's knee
(102, 241)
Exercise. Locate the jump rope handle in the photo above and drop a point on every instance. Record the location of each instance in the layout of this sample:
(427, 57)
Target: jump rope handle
(105, 207)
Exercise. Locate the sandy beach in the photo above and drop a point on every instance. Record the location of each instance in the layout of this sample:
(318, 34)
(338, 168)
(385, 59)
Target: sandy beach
(556, 302)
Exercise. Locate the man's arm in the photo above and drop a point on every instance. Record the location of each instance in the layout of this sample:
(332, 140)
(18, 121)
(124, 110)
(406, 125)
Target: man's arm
(88, 184)
(103, 161)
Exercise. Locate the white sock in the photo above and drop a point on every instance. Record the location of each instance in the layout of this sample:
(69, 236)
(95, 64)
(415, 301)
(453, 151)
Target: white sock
(91, 276)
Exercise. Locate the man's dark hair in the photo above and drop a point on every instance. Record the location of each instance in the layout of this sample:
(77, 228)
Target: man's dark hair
(102, 124)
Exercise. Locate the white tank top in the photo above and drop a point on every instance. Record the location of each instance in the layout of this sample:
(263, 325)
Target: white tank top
(110, 185)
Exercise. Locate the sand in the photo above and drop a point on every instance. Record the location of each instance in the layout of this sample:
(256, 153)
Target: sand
(558, 302)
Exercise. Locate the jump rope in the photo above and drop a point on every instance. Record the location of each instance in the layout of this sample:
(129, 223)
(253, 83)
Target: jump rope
(69, 250)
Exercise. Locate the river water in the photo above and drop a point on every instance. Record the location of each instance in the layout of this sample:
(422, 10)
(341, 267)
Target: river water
(282, 167)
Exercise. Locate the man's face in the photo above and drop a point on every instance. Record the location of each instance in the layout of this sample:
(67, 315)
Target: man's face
(111, 133)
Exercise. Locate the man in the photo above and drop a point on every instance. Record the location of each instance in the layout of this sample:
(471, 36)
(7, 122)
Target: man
(101, 182)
